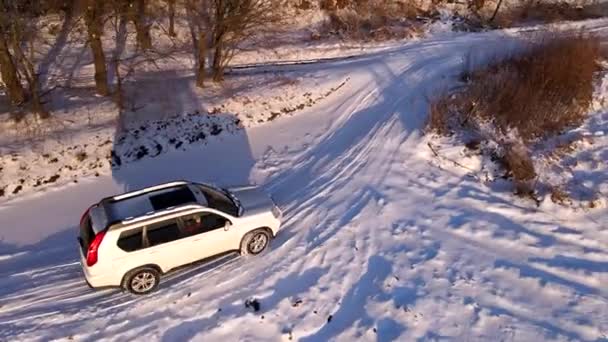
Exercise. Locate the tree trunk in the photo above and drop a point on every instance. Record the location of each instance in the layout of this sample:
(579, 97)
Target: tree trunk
(93, 19)
(202, 54)
(138, 16)
(219, 30)
(193, 25)
(9, 74)
(118, 95)
(496, 10)
(172, 18)
(218, 46)
(218, 70)
(37, 106)
(28, 70)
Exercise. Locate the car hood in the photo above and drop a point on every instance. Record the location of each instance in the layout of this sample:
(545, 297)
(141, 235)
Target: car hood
(252, 199)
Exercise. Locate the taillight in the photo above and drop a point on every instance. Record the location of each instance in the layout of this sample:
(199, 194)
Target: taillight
(93, 247)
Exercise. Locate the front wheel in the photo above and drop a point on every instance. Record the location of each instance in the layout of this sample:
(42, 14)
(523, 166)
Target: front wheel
(142, 280)
(255, 242)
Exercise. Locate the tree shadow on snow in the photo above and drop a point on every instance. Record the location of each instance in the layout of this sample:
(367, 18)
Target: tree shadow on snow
(335, 161)
(352, 308)
(288, 287)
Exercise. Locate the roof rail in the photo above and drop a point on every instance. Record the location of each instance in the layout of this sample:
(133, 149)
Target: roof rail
(146, 190)
(153, 214)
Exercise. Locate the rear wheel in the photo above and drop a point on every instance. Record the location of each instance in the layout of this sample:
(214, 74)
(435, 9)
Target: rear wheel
(142, 280)
(255, 242)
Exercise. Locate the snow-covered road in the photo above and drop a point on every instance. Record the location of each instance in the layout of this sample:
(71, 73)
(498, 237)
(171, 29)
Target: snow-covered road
(378, 244)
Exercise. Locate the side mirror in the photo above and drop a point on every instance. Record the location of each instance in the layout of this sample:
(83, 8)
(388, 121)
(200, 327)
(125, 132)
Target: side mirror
(227, 226)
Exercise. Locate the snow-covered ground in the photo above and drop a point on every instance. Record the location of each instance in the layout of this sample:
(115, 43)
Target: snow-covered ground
(378, 242)
(164, 111)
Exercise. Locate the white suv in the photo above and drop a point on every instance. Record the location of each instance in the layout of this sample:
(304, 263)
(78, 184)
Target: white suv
(130, 240)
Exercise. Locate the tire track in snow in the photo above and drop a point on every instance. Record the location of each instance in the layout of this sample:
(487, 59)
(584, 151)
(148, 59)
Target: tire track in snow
(340, 223)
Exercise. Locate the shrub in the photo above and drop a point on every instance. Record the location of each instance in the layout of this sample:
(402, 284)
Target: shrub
(438, 116)
(559, 196)
(514, 103)
(520, 166)
(304, 5)
(536, 94)
(548, 11)
(376, 19)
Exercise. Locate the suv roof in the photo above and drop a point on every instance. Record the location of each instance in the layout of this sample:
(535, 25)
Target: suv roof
(145, 202)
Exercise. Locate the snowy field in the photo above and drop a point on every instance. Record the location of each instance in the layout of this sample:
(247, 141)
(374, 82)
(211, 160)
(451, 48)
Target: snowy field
(379, 241)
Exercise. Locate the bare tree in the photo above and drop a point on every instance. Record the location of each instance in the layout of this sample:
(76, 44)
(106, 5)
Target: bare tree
(171, 4)
(126, 62)
(137, 14)
(200, 29)
(329, 5)
(8, 70)
(28, 70)
(476, 5)
(94, 22)
(235, 20)
(20, 21)
(496, 10)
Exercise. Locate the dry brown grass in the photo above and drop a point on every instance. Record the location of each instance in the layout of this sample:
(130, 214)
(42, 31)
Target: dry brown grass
(548, 11)
(523, 99)
(438, 120)
(304, 5)
(519, 165)
(371, 19)
(560, 196)
(537, 94)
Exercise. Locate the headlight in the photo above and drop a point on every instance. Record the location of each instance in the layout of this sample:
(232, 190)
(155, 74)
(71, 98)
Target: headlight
(276, 211)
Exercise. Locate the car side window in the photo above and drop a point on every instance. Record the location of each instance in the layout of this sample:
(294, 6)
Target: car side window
(131, 240)
(192, 225)
(163, 232)
(201, 223)
(212, 221)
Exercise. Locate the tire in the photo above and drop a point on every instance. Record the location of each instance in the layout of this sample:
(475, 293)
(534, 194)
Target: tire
(141, 281)
(255, 242)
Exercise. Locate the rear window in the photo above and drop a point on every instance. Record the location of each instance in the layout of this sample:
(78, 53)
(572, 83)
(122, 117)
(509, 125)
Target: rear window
(86, 234)
(163, 233)
(131, 240)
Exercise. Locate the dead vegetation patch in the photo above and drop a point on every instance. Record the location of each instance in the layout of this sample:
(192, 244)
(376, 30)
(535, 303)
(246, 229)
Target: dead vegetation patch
(517, 102)
(560, 196)
(371, 19)
(549, 11)
(536, 94)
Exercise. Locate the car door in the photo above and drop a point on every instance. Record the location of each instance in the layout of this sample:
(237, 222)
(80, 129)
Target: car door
(164, 244)
(133, 253)
(208, 234)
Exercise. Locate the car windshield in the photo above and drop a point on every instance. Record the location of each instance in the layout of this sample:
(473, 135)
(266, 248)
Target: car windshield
(219, 200)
